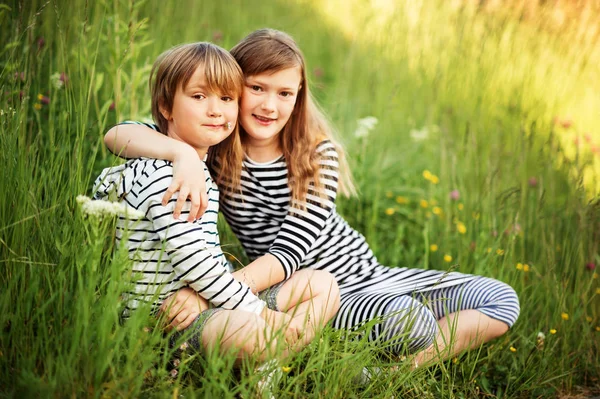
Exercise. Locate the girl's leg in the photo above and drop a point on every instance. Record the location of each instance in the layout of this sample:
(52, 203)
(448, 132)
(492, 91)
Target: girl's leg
(312, 298)
(403, 322)
(469, 315)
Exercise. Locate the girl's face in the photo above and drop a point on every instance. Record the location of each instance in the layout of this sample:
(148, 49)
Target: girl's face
(267, 103)
(199, 116)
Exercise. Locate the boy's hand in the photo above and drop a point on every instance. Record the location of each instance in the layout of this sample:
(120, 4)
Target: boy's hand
(189, 180)
(182, 308)
(282, 322)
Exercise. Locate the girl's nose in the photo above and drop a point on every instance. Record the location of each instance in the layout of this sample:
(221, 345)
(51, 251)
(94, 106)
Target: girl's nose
(268, 104)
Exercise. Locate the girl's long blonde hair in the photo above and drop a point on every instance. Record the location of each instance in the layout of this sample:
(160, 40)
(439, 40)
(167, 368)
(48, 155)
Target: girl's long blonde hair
(269, 50)
(173, 70)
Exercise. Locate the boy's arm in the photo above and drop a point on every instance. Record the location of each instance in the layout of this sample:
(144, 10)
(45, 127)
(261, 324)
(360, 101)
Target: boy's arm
(193, 248)
(134, 140)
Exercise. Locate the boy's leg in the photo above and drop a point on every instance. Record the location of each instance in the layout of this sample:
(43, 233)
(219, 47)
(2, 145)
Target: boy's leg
(236, 331)
(311, 297)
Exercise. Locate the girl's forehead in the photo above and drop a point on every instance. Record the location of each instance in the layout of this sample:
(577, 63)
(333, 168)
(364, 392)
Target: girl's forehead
(288, 77)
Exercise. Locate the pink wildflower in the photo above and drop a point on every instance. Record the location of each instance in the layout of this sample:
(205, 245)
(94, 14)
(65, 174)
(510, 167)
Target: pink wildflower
(41, 42)
(112, 106)
(63, 78)
(217, 36)
(533, 182)
(590, 266)
(455, 195)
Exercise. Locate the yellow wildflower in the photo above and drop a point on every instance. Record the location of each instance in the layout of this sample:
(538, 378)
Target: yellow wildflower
(597, 291)
(447, 258)
(424, 203)
(565, 316)
(552, 331)
(286, 369)
(519, 266)
(476, 215)
(500, 252)
(37, 106)
(462, 229)
(402, 200)
(434, 179)
(588, 319)
(597, 328)
(427, 174)
(437, 210)
(460, 206)
(427, 214)
(389, 211)
(389, 194)
(433, 202)
(526, 268)
(595, 275)
(40, 96)
(433, 247)
(489, 250)
(455, 360)
(513, 349)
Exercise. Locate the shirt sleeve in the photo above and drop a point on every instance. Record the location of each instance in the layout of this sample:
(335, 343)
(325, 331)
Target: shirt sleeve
(195, 260)
(301, 227)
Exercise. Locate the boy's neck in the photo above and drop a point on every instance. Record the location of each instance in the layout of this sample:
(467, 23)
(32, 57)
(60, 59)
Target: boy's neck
(201, 151)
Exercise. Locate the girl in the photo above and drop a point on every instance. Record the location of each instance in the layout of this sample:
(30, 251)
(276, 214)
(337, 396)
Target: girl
(283, 212)
(195, 91)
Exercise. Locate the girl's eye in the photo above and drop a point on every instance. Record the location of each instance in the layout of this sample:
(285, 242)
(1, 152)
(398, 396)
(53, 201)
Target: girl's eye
(256, 88)
(286, 94)
(198, 96)
(226, 98)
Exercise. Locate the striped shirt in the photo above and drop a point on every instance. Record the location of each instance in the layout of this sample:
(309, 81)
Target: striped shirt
(170, 254)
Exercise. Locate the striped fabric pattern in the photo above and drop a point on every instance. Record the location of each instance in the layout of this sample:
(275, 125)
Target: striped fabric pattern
(169, 254)
(265, 221)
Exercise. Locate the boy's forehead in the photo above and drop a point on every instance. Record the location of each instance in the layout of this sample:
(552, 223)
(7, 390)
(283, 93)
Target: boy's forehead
(198, 78)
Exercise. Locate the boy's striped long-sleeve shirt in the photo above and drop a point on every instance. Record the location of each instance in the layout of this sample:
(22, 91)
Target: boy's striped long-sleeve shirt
(169, 254)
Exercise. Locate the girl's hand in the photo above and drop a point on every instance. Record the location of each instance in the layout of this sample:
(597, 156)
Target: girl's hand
(189, 180)
(182, 308)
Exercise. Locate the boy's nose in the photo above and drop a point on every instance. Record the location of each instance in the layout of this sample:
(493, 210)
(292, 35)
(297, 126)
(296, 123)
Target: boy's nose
(214, 109)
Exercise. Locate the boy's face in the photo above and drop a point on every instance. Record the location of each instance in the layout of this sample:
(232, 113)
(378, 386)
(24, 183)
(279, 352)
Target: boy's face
(200, 117)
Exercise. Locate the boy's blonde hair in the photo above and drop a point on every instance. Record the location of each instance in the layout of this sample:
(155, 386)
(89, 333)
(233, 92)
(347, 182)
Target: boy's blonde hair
(269, 50)
(173, 70)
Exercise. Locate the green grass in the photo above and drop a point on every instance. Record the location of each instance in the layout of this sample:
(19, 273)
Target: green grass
(486, 86)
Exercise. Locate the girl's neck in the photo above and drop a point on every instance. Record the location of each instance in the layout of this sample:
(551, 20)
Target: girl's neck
(263, 150)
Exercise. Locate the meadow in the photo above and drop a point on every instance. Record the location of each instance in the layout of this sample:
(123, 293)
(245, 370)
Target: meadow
(472, 137)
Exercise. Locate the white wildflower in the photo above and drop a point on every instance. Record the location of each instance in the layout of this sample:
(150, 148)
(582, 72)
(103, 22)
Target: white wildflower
(56, 81)
(365, 125)
(101, 208)
(541, 336)
(419, 134)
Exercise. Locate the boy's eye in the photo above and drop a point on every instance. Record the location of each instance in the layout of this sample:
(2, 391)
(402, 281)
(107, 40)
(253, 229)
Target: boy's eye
(226, 98)
(198, 96)
(256, 88)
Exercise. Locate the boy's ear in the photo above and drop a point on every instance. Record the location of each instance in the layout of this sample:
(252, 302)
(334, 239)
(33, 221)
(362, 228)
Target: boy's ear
(164, 112)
